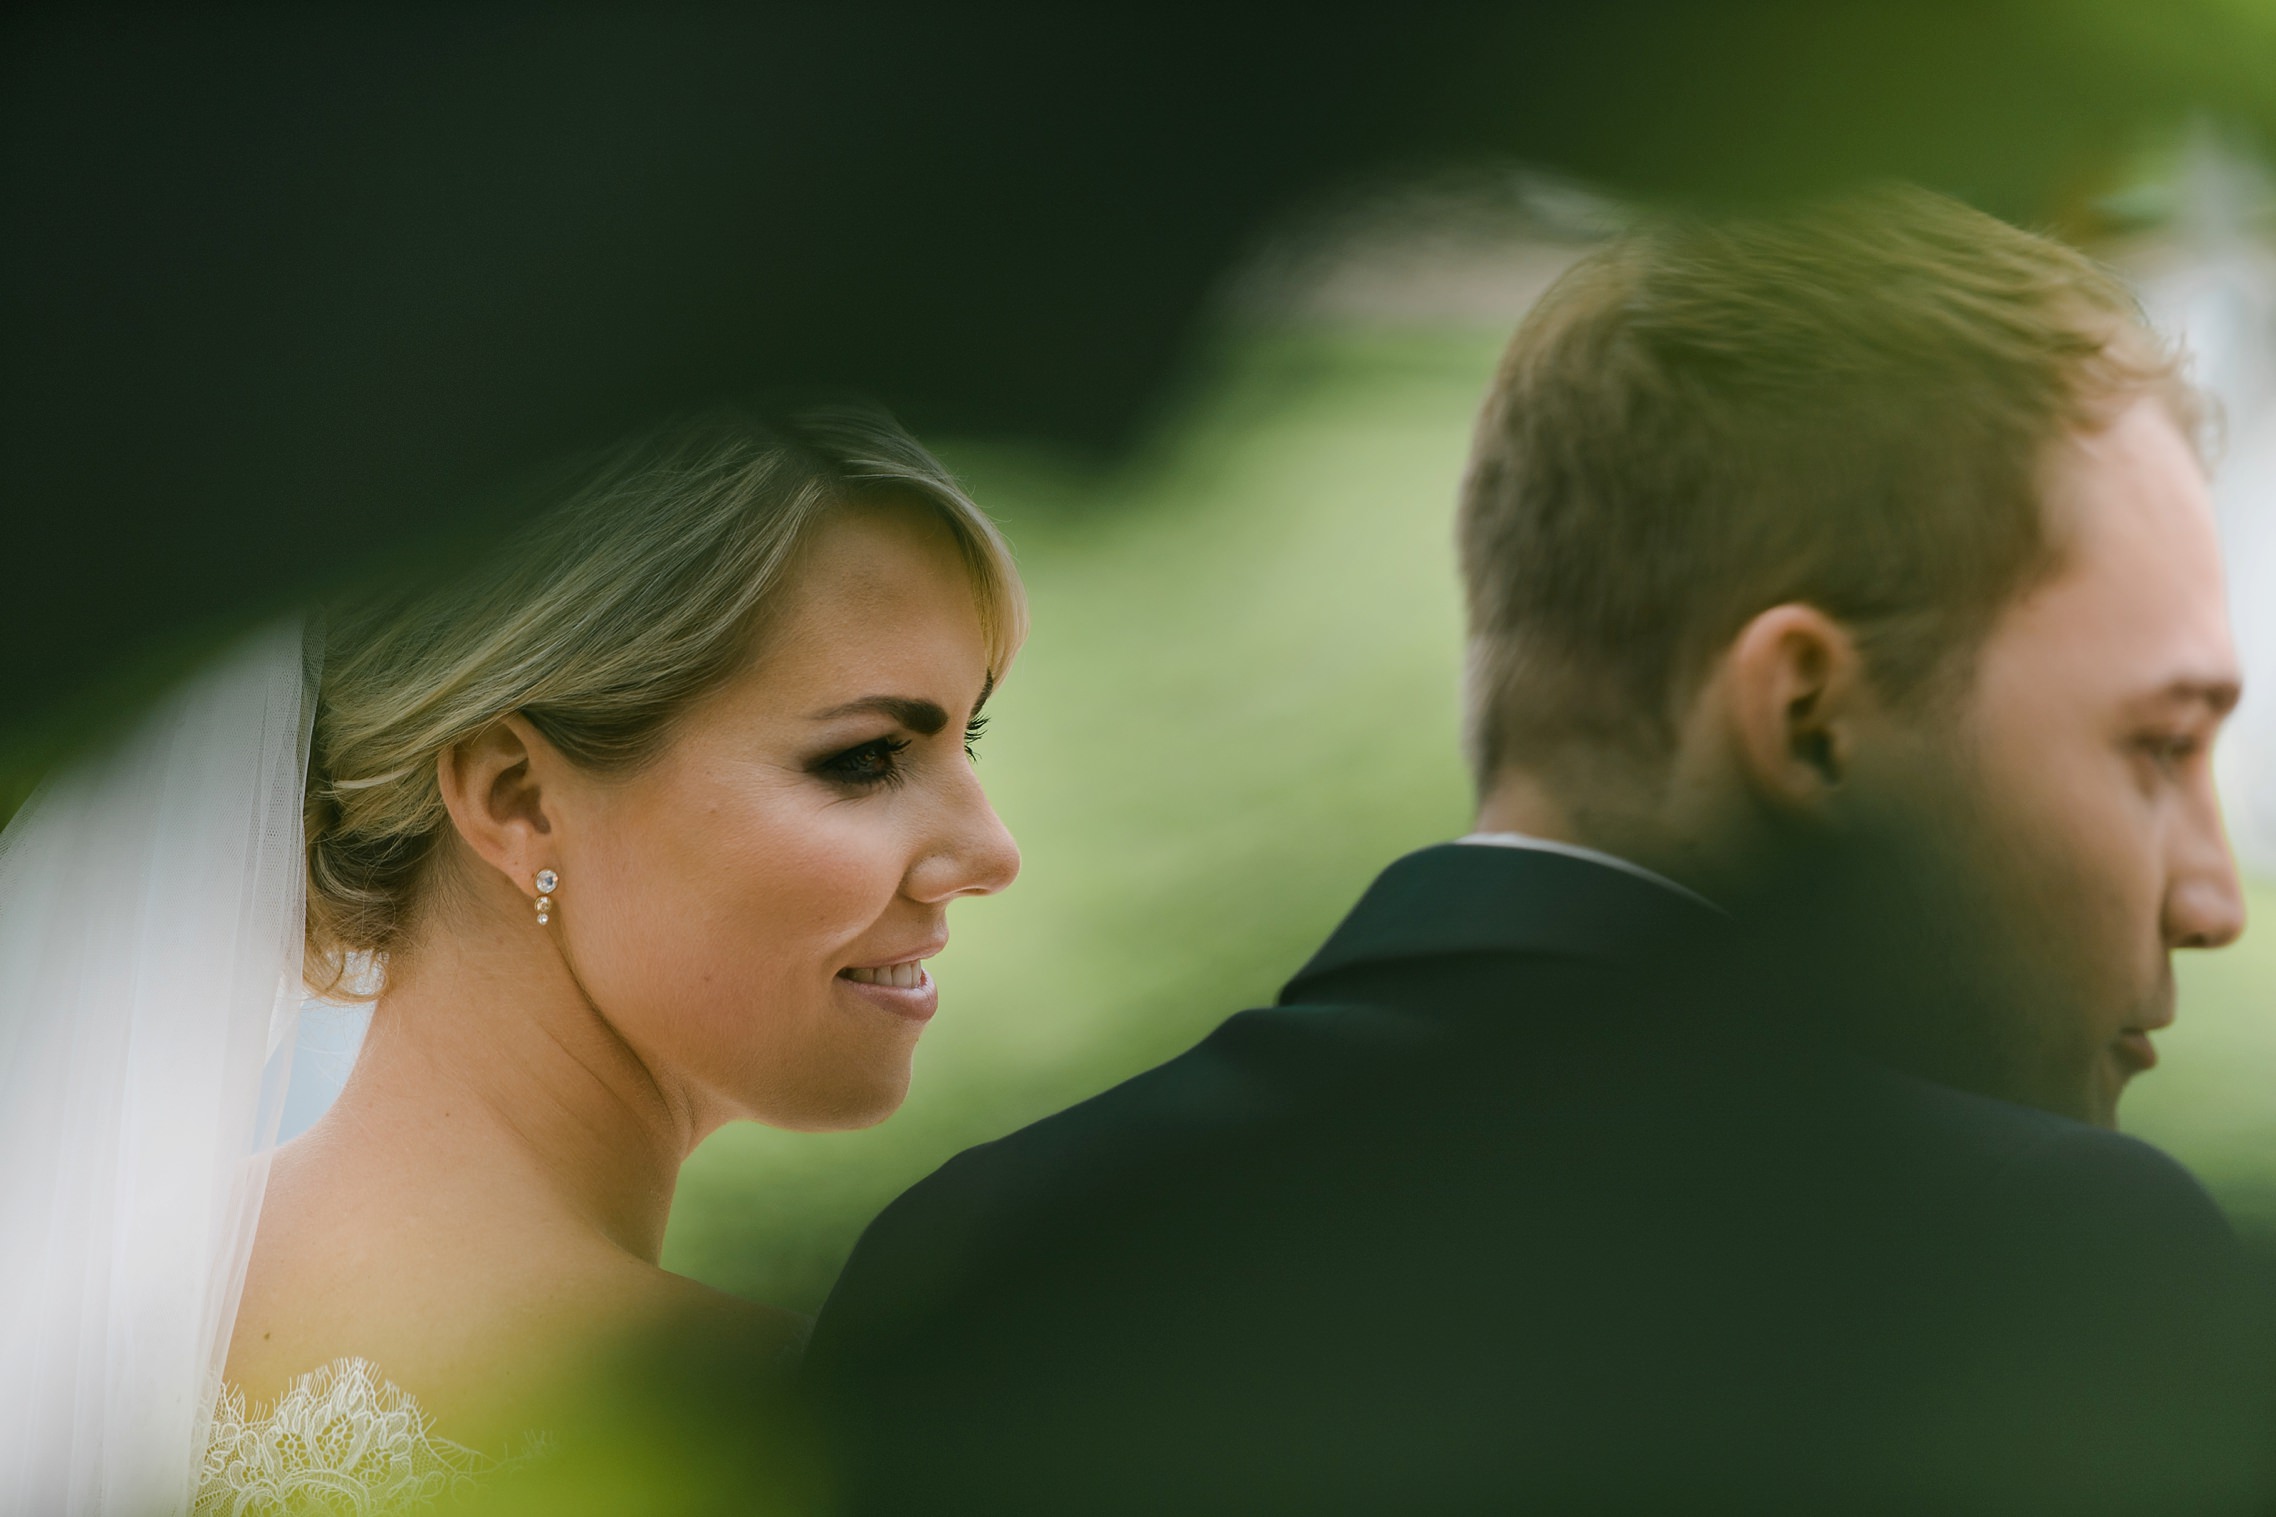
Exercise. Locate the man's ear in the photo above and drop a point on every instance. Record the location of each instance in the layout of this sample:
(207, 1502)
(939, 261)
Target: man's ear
(495, 786)
(1793, 683)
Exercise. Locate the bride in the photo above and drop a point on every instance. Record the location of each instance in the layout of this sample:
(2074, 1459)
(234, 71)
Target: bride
(647, 826)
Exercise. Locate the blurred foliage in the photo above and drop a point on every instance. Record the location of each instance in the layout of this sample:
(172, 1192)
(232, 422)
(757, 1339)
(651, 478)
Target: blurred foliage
(242, 361)
(1239, 702)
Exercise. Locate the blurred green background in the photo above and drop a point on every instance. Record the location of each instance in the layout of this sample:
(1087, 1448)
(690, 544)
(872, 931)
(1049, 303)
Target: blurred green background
(1239, 702)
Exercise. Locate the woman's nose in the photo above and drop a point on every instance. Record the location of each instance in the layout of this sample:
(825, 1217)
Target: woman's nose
(977, 856)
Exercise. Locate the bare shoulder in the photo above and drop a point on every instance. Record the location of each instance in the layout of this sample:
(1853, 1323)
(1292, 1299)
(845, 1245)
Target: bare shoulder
(673, 1307)
(656, 1350)
(492, 1323)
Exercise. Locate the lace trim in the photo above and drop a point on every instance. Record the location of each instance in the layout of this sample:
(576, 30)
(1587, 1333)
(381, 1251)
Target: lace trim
(342, 1441)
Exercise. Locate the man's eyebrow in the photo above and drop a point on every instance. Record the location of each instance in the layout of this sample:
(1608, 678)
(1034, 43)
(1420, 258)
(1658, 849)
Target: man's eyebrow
(919, 715)
(2221, 695)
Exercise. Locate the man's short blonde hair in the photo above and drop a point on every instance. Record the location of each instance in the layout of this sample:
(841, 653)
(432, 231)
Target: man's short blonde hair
(1845, 406)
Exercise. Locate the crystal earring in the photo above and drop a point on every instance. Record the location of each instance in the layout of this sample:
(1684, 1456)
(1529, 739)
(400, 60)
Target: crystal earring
(546, 881)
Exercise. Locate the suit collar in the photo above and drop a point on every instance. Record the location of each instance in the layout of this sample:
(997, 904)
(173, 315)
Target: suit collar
(1464, 899)
(1575, 851)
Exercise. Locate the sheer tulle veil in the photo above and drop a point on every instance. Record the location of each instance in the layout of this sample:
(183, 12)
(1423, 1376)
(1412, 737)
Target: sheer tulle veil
(150, 947)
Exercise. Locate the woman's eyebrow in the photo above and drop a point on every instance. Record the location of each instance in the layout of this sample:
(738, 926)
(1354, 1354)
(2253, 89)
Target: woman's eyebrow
(920, 716)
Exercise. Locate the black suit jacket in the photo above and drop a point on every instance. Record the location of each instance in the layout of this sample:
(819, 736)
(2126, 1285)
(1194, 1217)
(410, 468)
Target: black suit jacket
(1530, 1196)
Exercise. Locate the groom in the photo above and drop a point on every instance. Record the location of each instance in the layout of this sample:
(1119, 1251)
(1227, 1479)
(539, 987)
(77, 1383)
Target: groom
(1724, 1125)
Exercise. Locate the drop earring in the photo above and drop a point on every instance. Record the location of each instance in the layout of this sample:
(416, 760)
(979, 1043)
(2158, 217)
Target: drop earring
(545, 882)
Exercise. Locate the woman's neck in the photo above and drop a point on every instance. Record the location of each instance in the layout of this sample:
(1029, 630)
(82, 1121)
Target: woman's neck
(487, 1070)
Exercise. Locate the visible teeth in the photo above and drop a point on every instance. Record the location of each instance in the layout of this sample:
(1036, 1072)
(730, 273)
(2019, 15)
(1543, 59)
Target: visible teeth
(899, 976)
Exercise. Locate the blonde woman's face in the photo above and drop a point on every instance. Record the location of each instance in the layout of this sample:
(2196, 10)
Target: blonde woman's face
(753, 911)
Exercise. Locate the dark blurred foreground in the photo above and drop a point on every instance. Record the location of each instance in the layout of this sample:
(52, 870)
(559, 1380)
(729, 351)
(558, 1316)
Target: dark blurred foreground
(291, 293)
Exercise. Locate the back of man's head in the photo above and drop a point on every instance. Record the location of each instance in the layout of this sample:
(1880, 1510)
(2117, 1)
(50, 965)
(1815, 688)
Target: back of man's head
(1844, 406)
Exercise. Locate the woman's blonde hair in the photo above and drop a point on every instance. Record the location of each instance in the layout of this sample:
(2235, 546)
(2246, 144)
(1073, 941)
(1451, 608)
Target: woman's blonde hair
(646, 587)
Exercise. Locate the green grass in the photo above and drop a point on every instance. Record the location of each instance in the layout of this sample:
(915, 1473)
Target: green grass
(1239, 702)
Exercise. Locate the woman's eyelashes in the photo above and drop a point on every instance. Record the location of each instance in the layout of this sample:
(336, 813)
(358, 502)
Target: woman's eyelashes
(866, 765)
(879, 761)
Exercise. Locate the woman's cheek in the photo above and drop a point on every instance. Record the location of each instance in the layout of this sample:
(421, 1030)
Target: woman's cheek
(844, 874)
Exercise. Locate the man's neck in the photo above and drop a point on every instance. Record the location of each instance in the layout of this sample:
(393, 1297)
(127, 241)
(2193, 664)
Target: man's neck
(1518, 802)
(1521, 803)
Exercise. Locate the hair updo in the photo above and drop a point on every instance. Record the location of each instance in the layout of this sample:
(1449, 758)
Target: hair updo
(643, 589)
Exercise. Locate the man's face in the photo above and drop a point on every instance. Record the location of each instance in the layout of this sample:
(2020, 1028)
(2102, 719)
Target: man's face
(2086, 745)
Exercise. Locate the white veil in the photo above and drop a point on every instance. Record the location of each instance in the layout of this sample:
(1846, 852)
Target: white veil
(150, 936)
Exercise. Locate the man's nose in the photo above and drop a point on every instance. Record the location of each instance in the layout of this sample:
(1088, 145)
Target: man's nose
(2204, 899)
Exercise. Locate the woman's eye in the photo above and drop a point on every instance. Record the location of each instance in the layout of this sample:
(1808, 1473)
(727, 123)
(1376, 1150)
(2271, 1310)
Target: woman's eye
(972, 731)
(877, 762)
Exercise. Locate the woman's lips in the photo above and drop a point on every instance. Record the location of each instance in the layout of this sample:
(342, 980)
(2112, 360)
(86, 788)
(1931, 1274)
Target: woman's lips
(906, 990)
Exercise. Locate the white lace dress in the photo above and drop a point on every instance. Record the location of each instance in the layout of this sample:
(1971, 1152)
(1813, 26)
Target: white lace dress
(342, 1441)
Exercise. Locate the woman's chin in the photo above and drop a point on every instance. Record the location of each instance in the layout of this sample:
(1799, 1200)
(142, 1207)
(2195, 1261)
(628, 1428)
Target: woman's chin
(836, 1107)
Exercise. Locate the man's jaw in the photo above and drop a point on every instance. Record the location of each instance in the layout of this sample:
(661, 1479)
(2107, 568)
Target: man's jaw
(2136, 1053)
(2132, 1052)
(2155, 1015)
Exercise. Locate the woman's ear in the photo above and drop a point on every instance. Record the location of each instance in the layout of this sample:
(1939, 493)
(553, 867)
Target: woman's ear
(501, 787)
(1794, 685)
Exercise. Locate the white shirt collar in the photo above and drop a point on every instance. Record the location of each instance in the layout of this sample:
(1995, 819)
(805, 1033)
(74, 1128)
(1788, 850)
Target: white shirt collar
(1594, 856)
